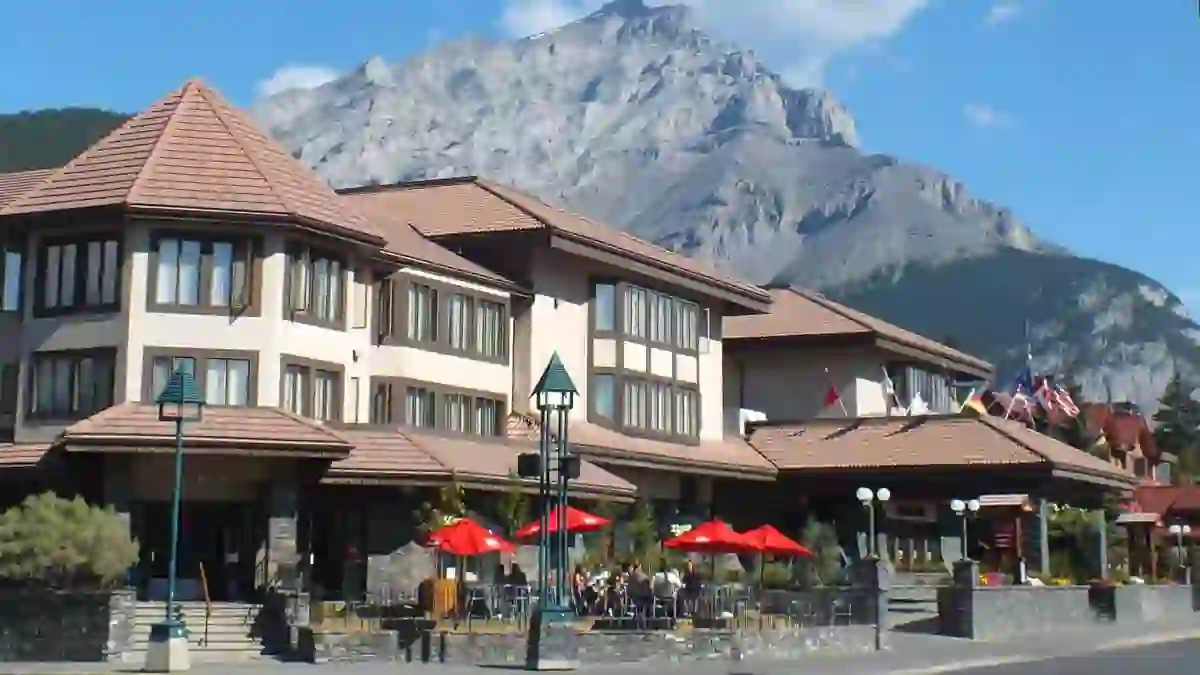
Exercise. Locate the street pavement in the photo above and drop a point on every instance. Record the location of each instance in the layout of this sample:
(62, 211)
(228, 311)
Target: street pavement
(1161, 659)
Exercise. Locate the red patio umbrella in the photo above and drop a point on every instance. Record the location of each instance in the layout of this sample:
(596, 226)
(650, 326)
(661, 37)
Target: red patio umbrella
(768, 540)
(711, 537)
(577, 521)
(465, 537)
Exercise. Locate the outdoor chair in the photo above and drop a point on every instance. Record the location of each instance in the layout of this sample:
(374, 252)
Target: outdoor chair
(841, 608)
(666, 605)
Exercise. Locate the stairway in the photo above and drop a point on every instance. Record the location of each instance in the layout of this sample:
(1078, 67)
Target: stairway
(228, 636)
(912, 602)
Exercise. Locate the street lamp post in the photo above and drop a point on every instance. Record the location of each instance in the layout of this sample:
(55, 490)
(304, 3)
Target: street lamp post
(1181, 531)
(963, 510)
(554, 466)
(179, 402)
(869, 497)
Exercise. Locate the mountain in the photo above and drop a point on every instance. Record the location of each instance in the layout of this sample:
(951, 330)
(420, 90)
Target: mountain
(41, 139)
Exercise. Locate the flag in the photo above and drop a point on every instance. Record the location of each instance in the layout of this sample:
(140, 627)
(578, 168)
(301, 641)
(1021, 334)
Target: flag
(974, 402)
(1065, 403)
(832, 396)
(889, 393)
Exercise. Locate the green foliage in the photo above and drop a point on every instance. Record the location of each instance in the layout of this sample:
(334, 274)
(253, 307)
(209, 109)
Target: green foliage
(776, 575)
(825, 565)
(512, 509)
(643, 529)
(449, 503)
(1177, 427)
(64, 543)
(44, 139)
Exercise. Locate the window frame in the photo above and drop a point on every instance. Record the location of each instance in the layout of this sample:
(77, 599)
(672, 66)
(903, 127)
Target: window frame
(389, 406)
(201, 357)
(302, 261)
(246, 250)
(391, 309)
(106, 355)
(10, 247)
(309, 371)
(78, 286)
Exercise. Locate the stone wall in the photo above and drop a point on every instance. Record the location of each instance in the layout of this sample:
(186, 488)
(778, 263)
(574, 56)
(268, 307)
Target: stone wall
(49, 626)
(1138, 603)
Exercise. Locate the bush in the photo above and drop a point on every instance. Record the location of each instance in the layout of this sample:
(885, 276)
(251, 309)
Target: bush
(61, 543)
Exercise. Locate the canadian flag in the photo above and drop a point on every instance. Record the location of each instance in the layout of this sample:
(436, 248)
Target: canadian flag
(832, 396)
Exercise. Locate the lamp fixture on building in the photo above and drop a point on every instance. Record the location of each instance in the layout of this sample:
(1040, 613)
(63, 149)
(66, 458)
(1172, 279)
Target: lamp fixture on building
(1181, 531)
(868, 498)
(963, 510)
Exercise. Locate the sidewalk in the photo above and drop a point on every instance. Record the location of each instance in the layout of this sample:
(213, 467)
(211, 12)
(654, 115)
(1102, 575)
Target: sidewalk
(907, 654)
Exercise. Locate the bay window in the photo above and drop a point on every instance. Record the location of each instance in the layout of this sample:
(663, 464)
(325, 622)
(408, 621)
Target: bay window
(440, 317)
(69, 385)
(316, 291)
(11, 269)
(312, 389)
(459, 321)
(203, 274)
(422, 313)
(224, 377)
(77, 274)
(490, 335)
(419, 408)
(425, 405)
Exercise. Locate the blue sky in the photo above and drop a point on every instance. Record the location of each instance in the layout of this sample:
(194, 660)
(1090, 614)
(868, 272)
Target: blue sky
(1076, 113)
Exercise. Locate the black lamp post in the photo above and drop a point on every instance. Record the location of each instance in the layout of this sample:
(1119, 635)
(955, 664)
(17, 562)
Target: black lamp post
(179, 402)
(553, 466)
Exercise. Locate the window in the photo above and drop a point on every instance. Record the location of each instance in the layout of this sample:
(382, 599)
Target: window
(163, 367)
(227, 382)
(635, 312)
(315, 287)
(293, 389)
(384, 319)
(355, 385)
(459, 321)
(490, 335)
(361, 301)
(687, 317)
(71, 385)
(456, 412)
(325, 404)
(604, 396)
(381, 404)
(9, 383)
(661, 318)
(933, 388)
(419, 408)
(660, 408)
(634, 409)
(687, 413)
(10, 274)
(78, 275)
(422, 313)
(489, 417)
(604, 308)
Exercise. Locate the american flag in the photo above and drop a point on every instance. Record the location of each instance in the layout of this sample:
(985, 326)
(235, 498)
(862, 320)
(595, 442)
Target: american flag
(1054, 398)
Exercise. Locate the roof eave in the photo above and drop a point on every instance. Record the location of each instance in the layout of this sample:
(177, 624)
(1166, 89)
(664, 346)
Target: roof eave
(602, 455)
(980, 369)
(499, 283)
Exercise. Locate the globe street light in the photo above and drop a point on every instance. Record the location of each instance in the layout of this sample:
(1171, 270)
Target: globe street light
(868, 498)
(179, 402)
(1181, 531)
(963, 510)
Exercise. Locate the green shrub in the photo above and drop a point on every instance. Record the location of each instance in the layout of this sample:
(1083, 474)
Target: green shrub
(824, 566)
(53, 542)
(776, 575)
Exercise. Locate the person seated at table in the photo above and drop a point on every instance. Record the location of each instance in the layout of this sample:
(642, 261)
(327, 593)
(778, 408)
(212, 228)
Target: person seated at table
(640, 593)
(689, 591)
(578, 590)
(516, 576)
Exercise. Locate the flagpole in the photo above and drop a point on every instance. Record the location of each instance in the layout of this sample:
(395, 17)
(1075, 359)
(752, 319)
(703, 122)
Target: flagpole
(1012, 402)
(838, 393)
(963, 408)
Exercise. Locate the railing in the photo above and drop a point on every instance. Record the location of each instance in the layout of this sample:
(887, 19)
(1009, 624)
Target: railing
(207, 604)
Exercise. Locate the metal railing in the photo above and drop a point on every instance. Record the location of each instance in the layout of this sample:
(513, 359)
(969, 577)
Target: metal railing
(207, 604)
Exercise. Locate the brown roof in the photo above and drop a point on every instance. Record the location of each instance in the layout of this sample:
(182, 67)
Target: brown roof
(383, 454)
(729, 457)
(798, 313)
(922, 442)
(193, 152)
(263, 430)
(1167, 499)
(472, 205)
(406, 243)
(21, 455)
(13, 185)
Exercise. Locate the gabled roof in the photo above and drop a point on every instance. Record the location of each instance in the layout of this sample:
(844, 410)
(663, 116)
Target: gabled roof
(804, 315)
(474, 206)
(193, 152)
(410, 246)
(13, 185)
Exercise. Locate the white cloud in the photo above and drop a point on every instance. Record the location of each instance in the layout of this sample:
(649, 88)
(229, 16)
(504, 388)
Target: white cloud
(296, 77)
(797, 37)
(986, 117)
(1003, 12)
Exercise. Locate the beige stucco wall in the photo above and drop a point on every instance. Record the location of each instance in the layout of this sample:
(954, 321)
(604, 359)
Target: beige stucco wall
(791, 383)
(557, 320)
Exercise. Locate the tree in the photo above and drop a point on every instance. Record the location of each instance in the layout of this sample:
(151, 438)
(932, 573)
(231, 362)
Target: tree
(513, 506)
(642, 528)
(61, 543)
(1177, 426)
(449, 503)
(825, 565)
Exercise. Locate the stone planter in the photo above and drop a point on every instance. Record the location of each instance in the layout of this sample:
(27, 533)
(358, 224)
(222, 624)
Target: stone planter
(1102, 598)
(37, 625)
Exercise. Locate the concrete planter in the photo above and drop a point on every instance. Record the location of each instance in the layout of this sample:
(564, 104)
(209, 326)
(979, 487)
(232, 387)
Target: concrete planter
(38, 625)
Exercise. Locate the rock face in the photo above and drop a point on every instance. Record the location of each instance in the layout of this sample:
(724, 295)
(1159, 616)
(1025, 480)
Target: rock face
(636, 116)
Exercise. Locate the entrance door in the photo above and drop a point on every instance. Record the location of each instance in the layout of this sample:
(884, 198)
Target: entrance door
(211, 535)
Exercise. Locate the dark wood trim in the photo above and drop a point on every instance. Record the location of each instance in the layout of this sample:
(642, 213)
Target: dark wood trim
(249, 246)
(14, 242)
(847, 341)
(309, 368)
(931, 358)
(396, 334)
(106, 355)
(295, 250)
(618, 457)
(201, 356)
(704, 287)
(396, 405)
(81, 240)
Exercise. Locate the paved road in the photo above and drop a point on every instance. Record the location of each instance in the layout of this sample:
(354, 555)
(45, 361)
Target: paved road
(1175, 658)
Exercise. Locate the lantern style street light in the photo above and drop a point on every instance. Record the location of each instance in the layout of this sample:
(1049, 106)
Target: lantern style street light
(1181, 531)
(179, 402)
(554, 466)
(963, 510)
(869, 497)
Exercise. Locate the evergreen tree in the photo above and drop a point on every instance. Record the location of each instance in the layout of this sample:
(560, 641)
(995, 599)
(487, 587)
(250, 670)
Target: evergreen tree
(1177, 427)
